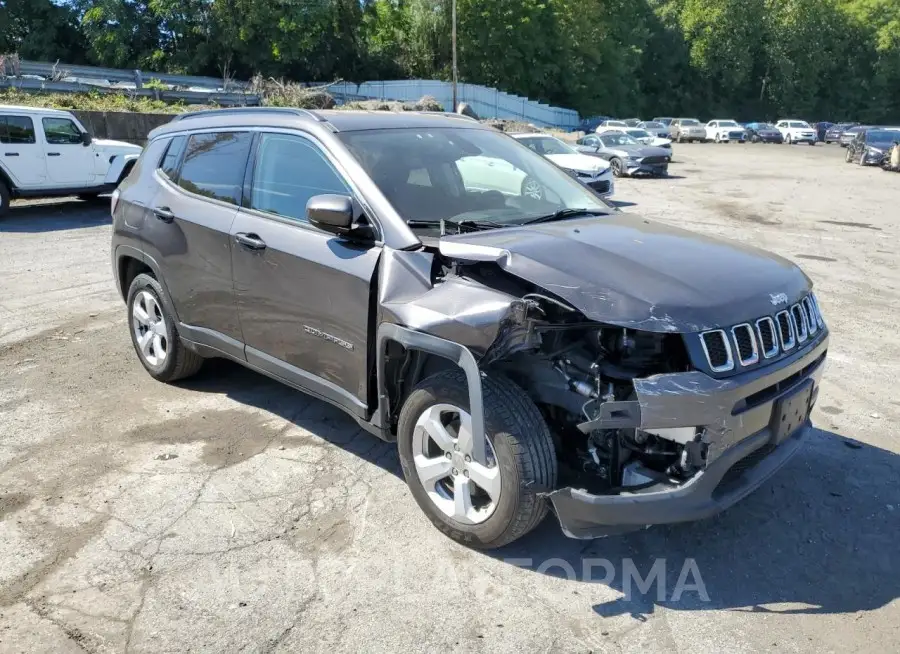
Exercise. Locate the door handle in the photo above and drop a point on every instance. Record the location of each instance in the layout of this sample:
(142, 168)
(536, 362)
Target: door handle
(53, 154)
(164, 214)
(10, 154)
(250, 241)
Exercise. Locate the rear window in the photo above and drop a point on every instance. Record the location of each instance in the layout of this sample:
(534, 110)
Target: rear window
(214, 165)
(16, 130)
(799, 124)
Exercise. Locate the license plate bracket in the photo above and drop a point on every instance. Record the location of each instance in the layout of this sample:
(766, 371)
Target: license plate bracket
(790, 412)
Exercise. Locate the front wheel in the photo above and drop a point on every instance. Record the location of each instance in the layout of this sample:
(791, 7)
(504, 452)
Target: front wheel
(788, 140)
(531, 188)
(813, 143)
(483, 506)
(754, 139)
(618, 168)
(154, 335)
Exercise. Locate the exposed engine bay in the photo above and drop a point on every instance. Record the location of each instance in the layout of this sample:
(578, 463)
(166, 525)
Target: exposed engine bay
(572, 367)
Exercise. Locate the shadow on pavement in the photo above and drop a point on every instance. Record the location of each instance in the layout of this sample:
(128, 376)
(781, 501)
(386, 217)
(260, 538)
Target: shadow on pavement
(820, 537)
(325, 421)
(55, 216)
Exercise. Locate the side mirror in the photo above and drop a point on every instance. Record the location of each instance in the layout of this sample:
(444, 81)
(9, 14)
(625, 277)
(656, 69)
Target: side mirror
(333, 213)
(86, 139)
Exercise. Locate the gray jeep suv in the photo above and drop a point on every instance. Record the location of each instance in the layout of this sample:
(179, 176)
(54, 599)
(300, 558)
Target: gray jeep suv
(524, 344)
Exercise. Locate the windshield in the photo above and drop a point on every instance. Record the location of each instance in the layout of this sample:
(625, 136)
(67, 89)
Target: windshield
(617, 138)
(765, 126)
(728, 123)
(652, 125)
(640, 133)
(546, 145)
(800, 124)
(882, 135)
(690, 122)
(454, 174)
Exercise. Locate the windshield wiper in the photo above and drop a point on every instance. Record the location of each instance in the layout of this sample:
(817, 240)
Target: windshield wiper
(467, 225)
(562, 214)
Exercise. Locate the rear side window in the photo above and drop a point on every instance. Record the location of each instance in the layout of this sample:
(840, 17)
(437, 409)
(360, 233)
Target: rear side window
(172, 158)
(16, 130)
(61, 131)
(289, 171)
(214, 165)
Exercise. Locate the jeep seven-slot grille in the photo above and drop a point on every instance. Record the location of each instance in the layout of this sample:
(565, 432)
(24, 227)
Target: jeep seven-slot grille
(747, 343)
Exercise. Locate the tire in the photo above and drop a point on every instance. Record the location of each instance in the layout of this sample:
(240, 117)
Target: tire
(754, 138)
(4, 200)
(679, 139)
(522, 450)
(716, 139)
(618, 169)
(788, 140)
(812, 143)
(862, 158)
(165, 357)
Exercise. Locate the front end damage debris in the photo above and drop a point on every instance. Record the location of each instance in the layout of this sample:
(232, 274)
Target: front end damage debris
(629, 414)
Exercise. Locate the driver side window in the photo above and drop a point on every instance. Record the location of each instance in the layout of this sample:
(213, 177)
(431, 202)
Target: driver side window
(61, 131)
(288, 171)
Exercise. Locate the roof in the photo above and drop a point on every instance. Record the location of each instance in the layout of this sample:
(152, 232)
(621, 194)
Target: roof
(332, 120)
(31, 110)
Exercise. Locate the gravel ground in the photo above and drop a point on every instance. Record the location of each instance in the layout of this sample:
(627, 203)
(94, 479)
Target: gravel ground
(229, 513)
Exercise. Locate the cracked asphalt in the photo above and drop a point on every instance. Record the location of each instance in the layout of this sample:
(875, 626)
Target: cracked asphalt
(228, 513)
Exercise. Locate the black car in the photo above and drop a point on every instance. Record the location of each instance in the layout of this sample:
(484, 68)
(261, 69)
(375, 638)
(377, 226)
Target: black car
(763, 133)
(871, 144)
(821, 129)
(833, 133)
(458, 294)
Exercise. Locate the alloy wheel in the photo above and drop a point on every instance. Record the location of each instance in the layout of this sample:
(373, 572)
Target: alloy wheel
(531, 188)
(456, 484)
(149, 326)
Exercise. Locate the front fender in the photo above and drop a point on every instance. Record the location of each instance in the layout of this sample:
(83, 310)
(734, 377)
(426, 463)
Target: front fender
(117, 167)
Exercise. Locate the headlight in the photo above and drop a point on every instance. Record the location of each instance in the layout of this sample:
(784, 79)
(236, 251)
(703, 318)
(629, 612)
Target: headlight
(583, 175)
(874, 151)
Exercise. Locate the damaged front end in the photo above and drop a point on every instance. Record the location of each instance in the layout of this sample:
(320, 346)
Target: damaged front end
(642, 435)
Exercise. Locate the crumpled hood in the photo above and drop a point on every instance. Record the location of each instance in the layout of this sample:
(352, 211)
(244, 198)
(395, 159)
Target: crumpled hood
(624, 270)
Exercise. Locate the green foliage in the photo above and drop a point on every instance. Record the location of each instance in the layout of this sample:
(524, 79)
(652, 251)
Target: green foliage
(91, 102)
(836, 59)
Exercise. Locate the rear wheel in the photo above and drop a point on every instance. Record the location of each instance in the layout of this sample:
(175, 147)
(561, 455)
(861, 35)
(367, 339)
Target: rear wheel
(154, 335)
(4, 199)
(484, 506)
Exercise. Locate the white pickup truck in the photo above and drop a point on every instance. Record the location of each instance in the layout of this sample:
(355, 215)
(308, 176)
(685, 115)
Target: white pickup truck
(48, 153)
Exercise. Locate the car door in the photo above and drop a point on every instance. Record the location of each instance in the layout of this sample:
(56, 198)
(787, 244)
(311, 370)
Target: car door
(20, 155)
(69, 161)
(303, 295)
(187, 232)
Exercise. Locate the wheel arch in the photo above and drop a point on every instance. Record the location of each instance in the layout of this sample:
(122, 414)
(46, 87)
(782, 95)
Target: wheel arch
(438, 353)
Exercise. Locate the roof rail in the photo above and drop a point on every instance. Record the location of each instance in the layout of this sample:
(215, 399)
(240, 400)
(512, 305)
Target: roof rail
(236, 111)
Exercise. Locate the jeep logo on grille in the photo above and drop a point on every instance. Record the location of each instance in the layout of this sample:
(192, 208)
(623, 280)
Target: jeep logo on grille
(778, 298)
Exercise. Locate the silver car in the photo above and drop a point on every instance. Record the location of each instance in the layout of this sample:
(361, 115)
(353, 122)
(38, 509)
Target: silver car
(659, 130)
(687, 129)
(625, 155)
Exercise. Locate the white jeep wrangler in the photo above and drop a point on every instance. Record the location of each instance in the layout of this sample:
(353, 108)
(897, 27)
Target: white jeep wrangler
(48, 153)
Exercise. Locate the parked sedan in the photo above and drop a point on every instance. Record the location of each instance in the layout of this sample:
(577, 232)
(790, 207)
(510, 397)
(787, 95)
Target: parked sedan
(658, 128)
(763, 133)
(687, 129)
(871, 144)
(849, 134)
(645, 137)
(625, 155)
(833, 133)
(593, 172)
(723, 131)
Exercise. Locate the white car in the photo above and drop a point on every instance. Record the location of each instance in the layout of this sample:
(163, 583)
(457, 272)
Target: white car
(591, 171)
(607, 125)
(723, 131)
(796, 131)
(645, 137)
(48, 153)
